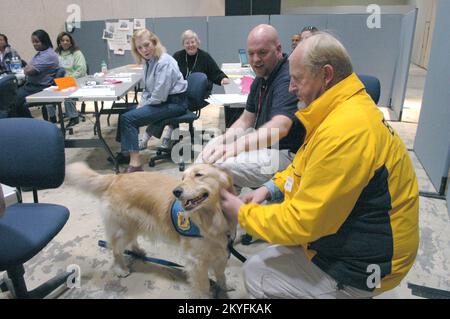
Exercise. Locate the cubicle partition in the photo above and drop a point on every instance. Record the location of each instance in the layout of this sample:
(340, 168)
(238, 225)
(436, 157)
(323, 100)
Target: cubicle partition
(400, 82)
(384, 52)
(432, 144)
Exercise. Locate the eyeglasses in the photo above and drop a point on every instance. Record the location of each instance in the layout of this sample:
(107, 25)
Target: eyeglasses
(309, 28)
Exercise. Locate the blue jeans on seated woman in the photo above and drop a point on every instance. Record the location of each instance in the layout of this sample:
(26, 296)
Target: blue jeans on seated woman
(129, 122)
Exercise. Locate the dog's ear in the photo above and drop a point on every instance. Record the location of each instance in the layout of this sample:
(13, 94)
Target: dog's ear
(226, 177)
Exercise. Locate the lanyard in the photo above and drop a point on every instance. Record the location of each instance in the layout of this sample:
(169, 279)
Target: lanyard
(188, 72)
(262, 95)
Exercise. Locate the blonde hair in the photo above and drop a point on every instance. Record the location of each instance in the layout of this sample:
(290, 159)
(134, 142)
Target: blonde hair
(189, 34)
(321, 49)
(145, 33)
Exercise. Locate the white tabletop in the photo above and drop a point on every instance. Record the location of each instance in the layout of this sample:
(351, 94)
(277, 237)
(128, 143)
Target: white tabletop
(130, 75)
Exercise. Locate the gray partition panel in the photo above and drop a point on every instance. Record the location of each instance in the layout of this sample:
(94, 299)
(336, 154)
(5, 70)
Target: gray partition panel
(287, 25)
(89, 39)
(433, 133)
(373, 51)
(226, 35)
(404, 60)
(169, 31)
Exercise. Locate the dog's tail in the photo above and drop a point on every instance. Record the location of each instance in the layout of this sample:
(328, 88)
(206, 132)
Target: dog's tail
(80, 175)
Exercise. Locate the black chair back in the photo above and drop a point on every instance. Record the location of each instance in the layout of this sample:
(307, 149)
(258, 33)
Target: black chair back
(8, 91)
(34, 160)
(372, 85)
(197, 86)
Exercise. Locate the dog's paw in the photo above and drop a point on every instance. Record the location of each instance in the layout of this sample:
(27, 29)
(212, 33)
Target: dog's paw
(138, 251)
(121, 272)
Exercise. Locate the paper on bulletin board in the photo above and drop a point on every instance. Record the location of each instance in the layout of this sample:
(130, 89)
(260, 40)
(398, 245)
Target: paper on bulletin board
(139, 24)
(125, 25)
(111, 27)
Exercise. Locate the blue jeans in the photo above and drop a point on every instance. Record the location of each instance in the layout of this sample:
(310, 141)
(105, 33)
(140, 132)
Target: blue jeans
(129, 122)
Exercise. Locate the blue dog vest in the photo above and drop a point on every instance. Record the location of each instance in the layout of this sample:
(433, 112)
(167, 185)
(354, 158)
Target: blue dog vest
(183, 225)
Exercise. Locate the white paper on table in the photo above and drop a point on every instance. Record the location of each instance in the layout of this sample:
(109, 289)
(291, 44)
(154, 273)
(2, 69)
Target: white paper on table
(89, 92)
(226, 99)
(121, 75)
(121, 79)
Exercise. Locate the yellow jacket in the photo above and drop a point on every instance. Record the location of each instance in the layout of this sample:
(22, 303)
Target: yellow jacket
(350, 195)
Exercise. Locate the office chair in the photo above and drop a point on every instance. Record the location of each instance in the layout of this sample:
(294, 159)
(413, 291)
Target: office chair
(197, 86)
(33, 157)
(60, 73)
(372, 85)
(8, 92)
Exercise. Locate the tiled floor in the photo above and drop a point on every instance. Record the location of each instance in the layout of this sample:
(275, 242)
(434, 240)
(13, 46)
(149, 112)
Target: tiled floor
(77, 242)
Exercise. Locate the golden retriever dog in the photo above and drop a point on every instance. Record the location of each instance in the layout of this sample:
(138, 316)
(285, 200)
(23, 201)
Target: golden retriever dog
(139, 204)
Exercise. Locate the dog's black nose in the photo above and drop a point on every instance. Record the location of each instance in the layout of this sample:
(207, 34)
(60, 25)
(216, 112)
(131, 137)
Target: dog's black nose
(177, 192)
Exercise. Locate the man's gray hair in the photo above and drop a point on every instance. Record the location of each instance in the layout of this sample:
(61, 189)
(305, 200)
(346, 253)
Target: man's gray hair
(323, 48)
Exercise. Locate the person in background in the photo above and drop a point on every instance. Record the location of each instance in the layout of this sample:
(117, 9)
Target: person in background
(192, 59)
(40, 71)
(6, 53)
(164, 96)
(72, 60)
(347, 226)
(307, 32)
(263, 140)
(295, 39)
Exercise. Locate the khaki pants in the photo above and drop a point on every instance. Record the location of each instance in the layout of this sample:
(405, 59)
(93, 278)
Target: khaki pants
(252, 169)
(286, 272)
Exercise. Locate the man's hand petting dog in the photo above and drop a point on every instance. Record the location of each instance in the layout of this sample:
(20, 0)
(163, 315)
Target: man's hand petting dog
(230, 204)
(257, 196)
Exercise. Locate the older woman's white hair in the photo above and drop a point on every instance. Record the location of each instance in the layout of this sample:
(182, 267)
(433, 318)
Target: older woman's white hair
(189, 34)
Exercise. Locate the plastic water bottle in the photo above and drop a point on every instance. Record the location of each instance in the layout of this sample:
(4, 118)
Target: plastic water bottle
(16, 64)
(104, 67)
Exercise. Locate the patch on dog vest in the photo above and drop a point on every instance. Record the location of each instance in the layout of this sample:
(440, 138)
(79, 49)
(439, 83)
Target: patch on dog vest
(183, 225)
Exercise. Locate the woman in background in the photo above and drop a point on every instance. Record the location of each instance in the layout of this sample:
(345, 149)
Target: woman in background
(164, 96)
(72, 60)
(6, 54)
(40, 71)
(192, 59)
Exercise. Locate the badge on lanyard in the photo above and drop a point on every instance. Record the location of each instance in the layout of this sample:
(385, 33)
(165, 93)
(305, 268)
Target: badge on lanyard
(289, 183)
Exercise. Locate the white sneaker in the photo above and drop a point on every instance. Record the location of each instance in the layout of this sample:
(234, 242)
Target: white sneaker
(143, 141)
(166, 143)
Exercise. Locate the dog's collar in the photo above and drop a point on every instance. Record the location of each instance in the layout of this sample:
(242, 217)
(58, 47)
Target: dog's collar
(183, 225)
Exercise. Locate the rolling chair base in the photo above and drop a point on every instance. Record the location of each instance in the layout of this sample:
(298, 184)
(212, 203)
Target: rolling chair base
(164, 154)
(14, 283)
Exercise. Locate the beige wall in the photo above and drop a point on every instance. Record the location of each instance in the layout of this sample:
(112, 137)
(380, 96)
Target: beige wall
(21, 17)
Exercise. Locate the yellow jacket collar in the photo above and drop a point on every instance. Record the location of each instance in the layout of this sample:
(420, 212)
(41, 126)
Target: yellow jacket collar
(318, 110)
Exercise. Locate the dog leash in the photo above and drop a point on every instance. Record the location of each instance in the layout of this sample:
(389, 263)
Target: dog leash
(235, 253)
(158, 261)
(167, 263)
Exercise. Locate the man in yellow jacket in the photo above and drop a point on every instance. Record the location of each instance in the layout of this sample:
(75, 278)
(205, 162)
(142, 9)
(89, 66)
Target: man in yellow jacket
(347, 225)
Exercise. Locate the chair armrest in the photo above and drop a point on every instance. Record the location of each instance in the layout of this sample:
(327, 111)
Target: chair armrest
(2, 202)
